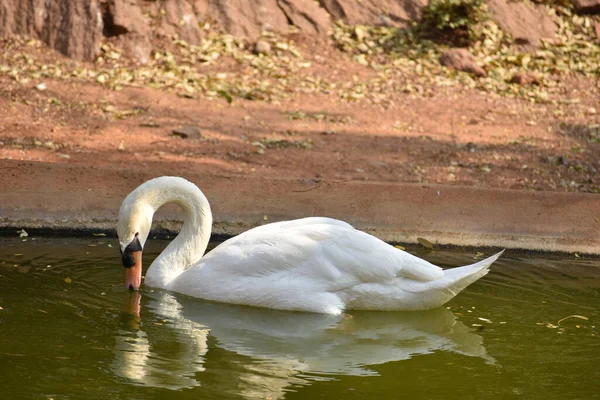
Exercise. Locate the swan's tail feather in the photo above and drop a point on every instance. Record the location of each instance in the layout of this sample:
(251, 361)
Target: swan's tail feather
(436, 293)
(470, 273)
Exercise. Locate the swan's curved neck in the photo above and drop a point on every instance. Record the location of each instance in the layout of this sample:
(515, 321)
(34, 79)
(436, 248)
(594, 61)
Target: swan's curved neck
(191, 242)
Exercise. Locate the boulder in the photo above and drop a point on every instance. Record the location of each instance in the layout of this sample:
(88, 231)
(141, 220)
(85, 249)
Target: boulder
(587, 6)
(375, 12)
(527, 22)
(461, 60)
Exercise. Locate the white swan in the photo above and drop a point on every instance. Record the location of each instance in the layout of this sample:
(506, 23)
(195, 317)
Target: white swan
(312, 264)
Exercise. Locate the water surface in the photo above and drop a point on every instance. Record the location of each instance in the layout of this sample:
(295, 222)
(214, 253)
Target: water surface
(69, 330)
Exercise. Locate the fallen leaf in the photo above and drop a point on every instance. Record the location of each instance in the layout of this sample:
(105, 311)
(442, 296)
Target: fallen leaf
(225, 95)
(68, 280)
(425, 243)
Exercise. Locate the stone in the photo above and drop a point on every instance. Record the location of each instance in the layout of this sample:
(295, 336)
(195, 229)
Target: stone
(527, 23)
(525, 78)
(587, 6)
(461, 60)
(262, 47)
(375, 12)
(188, 132)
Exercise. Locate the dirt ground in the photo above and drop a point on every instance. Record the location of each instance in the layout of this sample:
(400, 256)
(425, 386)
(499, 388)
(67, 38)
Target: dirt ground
(454, 135)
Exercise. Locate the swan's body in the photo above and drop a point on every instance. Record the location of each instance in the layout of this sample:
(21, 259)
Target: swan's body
(311, 264)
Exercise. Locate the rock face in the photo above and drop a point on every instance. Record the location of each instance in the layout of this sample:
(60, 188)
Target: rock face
(74, 27)
(525, 22)
(306, 15)
(77, 27)
(250, 17)
(587, 6)
(123, 20)
(182, 18)
(461, 60)
(375, 12)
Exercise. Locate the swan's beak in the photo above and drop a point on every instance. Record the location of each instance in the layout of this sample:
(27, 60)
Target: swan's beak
(133, 277)
(132, 261)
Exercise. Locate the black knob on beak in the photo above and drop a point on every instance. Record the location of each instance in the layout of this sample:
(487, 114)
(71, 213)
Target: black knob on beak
(127, 260)
(126, 257)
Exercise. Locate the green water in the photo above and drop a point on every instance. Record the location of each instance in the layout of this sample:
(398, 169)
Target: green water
(69, 330)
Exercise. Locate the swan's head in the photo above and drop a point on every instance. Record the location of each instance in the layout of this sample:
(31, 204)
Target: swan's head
(133, 227)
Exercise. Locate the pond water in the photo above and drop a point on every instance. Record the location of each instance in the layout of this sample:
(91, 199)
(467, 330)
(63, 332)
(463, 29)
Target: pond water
(69, 330)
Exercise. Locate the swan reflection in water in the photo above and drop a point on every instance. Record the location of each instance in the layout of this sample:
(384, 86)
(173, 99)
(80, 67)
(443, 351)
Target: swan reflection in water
(168, 348)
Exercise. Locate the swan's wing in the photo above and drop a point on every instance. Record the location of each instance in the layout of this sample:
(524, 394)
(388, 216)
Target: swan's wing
(302, 224)
(273, 248)
(373, 260)
(327, 251)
